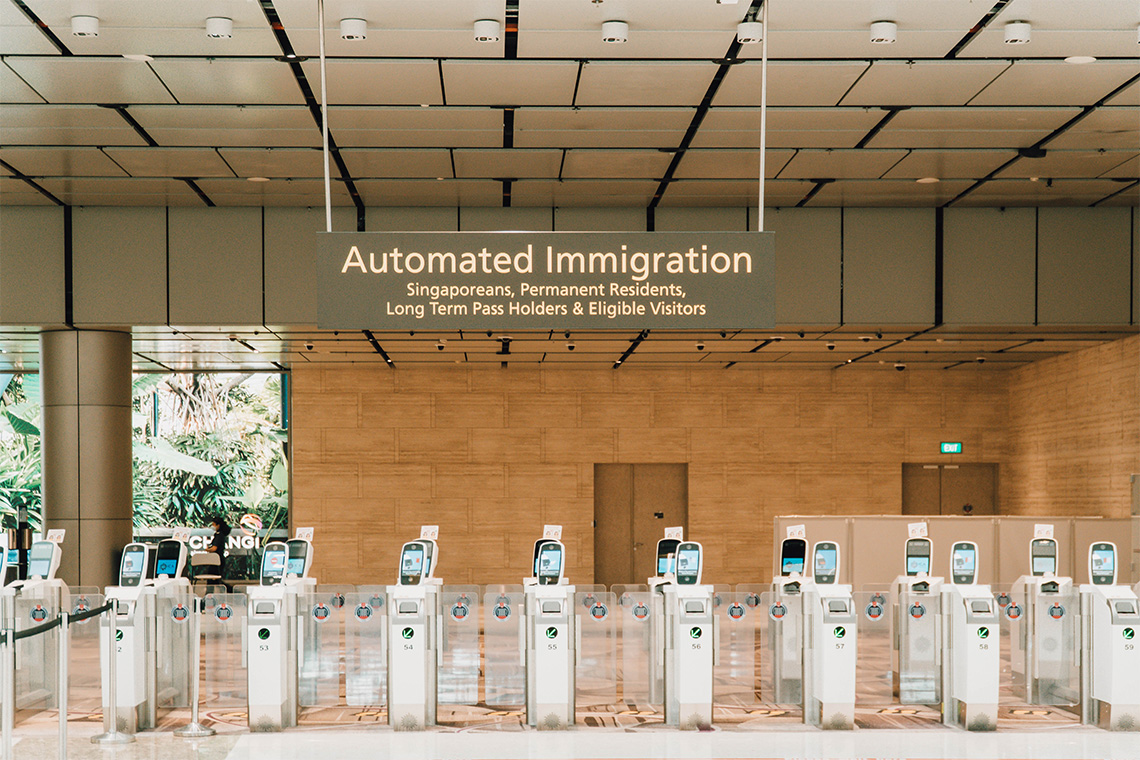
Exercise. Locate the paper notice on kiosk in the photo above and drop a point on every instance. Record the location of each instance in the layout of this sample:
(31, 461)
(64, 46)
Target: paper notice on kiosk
(916, 530)
(797, 531)
(1042, 531)
(430, 532)
(181, 534)
(677, 533)
(305, 534)
(552, 532)
(56, 535)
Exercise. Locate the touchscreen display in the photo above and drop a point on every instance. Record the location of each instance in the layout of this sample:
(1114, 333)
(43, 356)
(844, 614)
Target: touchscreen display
(664, 565)
(133, 564)
(1043, 565)
(916, 565)
(412, 562)
(39, 563)
(166, 567)
(550, 562)
(826, 560)
(273, 565)
(13, 556)
(792, 565)
(296, 566)
(963, 560)
(688, 562)
(1103, 563)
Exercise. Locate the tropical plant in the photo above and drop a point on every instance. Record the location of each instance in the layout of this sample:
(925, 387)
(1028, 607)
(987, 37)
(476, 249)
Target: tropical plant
(20, 449)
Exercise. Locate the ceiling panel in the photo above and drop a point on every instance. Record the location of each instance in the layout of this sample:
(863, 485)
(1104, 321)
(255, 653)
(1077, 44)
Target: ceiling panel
(1024, 192)
(949, 164)
(447, 192)
(705, 192)
(1052, 83)
(396, 28)
(590, 193)
(61, 162)
(170, 162)
(25, 39)
(275, 162)
(220, 126)
(812, 83)
(122, 192)
(13, 89)
(16, 192)
(506, 163)
(787, 127)
(887, 193)
(1125, 196)
(971, 127)
(658, 29)
(147, 27)
(63, 79)
(292, 192)
(64, 125)
(927, 83)
(416, 127)
(841, 164)
(1060, 29)
(1128, 169)
(1073, 164)
(605, 83)
(1129, 96)
(601, 127)
(232, 80)
(731, 164)
(398, 163)
(1107, 127)
(600, 164)
(501, 83)
(396, 82)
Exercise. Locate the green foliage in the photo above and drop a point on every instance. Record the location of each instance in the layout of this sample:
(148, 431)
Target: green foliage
(19, 449)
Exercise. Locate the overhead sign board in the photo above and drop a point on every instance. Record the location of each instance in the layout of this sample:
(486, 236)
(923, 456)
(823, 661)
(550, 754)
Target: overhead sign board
(545, 280)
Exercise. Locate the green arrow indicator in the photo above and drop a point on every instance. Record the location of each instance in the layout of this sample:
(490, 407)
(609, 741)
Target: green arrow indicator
(840, 631)
(983, 633)
(552, 633)
(407, 633)
(1129, 633)
(118, 635)
(695, 632)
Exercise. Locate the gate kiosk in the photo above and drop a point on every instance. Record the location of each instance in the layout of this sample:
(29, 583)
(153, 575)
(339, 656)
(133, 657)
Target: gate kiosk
(918, 628)
(786, 639)
(1045, 637)
(27, 603)
(551, 638)
(690, 639)
(666, 572)
(970, 645)
(830, 625)
(1110, 658)
(274, 632)
(137, 665)
(413, 639)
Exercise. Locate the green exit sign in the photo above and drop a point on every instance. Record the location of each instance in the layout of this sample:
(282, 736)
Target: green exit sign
(951, 447)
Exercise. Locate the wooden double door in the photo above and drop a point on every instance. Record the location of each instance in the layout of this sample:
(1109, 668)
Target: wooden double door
(633, 504)
(949, 489)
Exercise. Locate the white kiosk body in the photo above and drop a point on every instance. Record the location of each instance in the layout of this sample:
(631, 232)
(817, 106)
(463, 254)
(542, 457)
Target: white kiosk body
(971, 647)
(28, 603)
(786, 640)
(831, 628)
(273, 634)
(1045, 642)
(413, 639)
(918, 628)
(551, 638)
(666, 573)
(691, 635)
(1111, 656)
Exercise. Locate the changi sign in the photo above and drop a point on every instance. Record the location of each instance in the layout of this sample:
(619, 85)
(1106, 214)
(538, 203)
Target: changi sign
(545, 280)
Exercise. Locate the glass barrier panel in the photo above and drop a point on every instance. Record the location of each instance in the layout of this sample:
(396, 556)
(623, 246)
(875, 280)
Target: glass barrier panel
(634, 627)
(734, 675)
(782, 679)
(458, 679)
(37, 657)
(749, 595)
(84, 678)
(917, 661)
(173, 606)
(365, 656)
(504, 672)
(874, 675)
(596, 672)
(223, 629)
(320, 614)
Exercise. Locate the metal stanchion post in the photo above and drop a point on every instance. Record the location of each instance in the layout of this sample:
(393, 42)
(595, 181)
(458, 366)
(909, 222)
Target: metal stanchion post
(64, 635)
(194, 729)
(8, 681)
(111, 734)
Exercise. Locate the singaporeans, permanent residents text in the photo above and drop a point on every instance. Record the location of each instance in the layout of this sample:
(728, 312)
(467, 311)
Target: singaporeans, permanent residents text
(638, 265)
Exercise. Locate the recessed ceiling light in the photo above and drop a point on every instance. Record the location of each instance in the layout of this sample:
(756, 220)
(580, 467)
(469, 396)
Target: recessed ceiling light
(927, 180)
(257, 179)
(884, 32)
(1017, 33)
(137, 57)
(219, 27)
(615, 32)
(487, 30)
(353, 29)
(1080, 59)
(84, 26)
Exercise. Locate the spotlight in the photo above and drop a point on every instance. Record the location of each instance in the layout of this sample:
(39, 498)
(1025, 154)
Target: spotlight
(700, 345)
(309, 346)
(615, 32)
(219, 27)
(723, 334)
(749, 32)
(439, 346)
(1017, 33)
(487, 30)
(884, 32)
(85, 26)
(353, 29)
(570, 346)
(899, 366)
(830, 346)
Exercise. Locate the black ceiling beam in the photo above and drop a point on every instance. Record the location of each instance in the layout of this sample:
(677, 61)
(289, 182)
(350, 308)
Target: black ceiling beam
(290, 57)
(819, 185)
(17, 174)
(991, 14)
(730, 59)
(44, 30)
(633, 344)
(1132, 185)
(910, 337)
(197, 190)
(759, 346)
(378, 348)
(511, 31)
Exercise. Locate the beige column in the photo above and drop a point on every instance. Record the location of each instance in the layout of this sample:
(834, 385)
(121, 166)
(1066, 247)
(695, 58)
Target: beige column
(85, 377)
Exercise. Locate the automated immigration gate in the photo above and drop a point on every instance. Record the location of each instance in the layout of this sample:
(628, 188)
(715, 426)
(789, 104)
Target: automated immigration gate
(917, 635)
(28, 603)
(970, 645)
(1110, 657)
